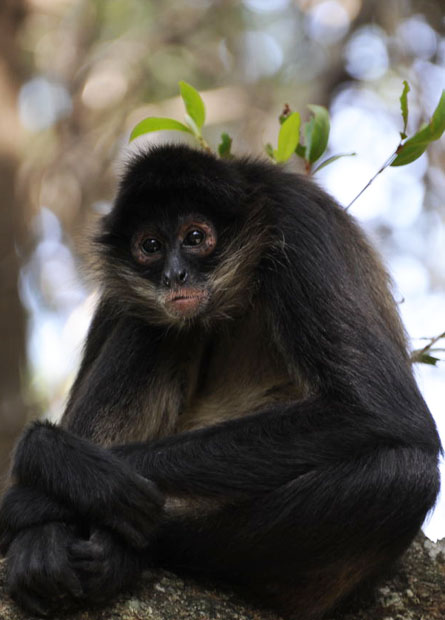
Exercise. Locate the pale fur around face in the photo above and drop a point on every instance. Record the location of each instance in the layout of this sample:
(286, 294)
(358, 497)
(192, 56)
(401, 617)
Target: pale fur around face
(230, 286)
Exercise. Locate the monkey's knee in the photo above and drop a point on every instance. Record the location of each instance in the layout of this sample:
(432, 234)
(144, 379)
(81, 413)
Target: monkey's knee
(39, 433)
(38, 440)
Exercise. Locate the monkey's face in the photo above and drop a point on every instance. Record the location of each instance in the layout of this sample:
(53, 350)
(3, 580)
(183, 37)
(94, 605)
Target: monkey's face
(183, 240)
(175, 258)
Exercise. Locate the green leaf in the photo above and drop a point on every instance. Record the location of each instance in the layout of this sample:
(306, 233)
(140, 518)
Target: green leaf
(409, 152)
(288, 137)
(316, 133)
(193, 103)
(426, 358)
(301, 151)
(193, 126)
(153, 123)
(404, 107)
(269, 150)
(224, 148)
(437, 122)
(415, 146)
(331, 160)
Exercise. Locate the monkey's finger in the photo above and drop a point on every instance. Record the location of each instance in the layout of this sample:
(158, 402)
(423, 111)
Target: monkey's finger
(141, 519)
(85, 550)
(53, 585)
(150, 490)
(145, 509)
(88, 569)
(137, 538)
(70, 583)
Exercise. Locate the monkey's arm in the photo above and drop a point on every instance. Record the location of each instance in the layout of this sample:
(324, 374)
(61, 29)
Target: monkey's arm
(39, 529)
(116, 375)
(114, 395)
(84, 480)
(256, 453)
(110, 398)
(23, 507)
(102, 325)
(235, 460)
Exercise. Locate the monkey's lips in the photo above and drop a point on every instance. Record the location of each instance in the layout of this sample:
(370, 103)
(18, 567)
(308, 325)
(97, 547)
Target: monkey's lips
(186, 301)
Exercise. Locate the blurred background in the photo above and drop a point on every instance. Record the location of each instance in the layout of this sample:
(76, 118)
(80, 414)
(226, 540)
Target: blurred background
(77, 75)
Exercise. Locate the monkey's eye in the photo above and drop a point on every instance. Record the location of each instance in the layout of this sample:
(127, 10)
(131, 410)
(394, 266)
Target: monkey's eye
(194, 237)
(151, 246)
(197, 237)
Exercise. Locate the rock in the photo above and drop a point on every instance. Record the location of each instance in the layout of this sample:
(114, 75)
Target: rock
(415, 591)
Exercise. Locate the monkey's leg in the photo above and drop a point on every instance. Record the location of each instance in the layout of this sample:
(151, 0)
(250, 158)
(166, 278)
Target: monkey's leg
(300, 514)
(313, 487)
(279, 547)
(307, 544)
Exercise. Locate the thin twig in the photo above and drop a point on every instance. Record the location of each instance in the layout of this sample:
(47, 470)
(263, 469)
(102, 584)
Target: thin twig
(204, 144)
(417, 355)
(387, 163)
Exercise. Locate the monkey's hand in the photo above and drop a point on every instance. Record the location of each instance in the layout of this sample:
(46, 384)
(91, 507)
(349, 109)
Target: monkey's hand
(91, 481)
(105, 565)
(40, 577)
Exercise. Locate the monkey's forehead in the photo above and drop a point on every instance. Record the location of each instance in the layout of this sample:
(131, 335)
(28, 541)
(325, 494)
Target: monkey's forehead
(182, 167)
(172, 178)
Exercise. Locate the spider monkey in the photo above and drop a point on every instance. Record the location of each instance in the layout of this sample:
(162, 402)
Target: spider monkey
(245, 407)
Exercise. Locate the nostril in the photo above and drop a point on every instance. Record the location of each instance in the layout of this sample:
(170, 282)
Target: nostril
(182, 276)
(166, 279)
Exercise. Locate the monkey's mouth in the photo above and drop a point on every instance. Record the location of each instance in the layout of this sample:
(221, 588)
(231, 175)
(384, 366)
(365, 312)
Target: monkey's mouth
(186, 302)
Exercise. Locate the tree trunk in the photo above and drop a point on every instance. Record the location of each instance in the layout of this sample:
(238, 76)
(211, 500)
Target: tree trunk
(12, 316)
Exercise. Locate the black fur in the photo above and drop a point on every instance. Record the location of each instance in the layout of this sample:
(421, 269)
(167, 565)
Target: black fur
(300, 496)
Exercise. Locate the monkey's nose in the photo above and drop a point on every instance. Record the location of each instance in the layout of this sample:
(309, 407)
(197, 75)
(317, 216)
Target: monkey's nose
(179, 276)
(182, 276)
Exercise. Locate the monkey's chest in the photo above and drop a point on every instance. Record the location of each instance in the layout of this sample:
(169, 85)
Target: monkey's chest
(239, 373)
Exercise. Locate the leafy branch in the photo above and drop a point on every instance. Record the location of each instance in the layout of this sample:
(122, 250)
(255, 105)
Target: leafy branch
(408, 150)
(424, 356)
(311, 145)
(194, 118)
